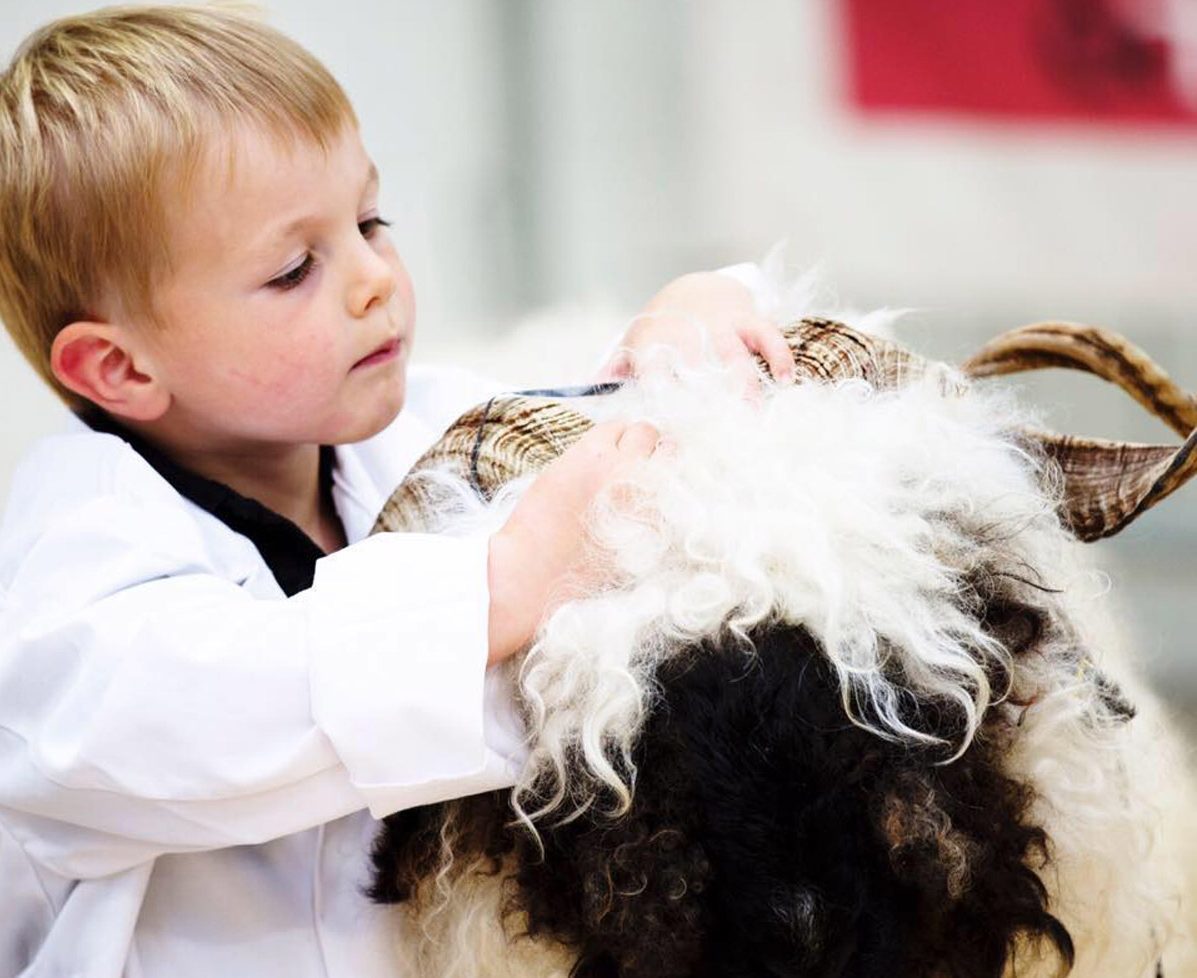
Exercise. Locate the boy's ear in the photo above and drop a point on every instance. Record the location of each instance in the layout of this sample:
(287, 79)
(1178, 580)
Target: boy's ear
(100, 362)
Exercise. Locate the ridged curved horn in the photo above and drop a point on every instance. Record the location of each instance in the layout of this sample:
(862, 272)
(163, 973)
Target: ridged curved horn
(512, 436)
(826, 350)
(1107, 484)
(488, 446)
(1098, 351)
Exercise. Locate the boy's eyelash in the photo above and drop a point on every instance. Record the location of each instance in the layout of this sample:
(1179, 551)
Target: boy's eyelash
(372, 224)
(289, 280)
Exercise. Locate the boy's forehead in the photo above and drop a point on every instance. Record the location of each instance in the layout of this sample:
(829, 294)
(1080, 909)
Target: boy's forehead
(259, 160)
(250, 186)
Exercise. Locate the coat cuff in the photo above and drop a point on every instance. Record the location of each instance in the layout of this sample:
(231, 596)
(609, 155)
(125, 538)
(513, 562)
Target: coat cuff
(758, 282)
(398, 628)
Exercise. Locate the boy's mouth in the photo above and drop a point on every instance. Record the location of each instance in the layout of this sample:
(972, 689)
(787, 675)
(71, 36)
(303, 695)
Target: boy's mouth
(385, 352)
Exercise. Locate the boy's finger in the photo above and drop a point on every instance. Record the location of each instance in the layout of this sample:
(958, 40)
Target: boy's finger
(744, 371)
(611, 433)
(638, 439)
(598, 445)
(765, 338)
(619, 367)
(605, 437)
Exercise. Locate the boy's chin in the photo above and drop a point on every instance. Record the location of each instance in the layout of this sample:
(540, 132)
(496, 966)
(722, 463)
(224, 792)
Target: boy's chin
(369, 427)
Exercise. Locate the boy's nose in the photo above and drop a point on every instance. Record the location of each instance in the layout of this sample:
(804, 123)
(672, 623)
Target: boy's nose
(374, 282)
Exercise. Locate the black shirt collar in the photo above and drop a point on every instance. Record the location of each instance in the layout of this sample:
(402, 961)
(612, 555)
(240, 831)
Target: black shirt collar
(290, 553)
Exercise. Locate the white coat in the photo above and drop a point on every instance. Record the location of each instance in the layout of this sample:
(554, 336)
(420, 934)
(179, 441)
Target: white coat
(191, 764)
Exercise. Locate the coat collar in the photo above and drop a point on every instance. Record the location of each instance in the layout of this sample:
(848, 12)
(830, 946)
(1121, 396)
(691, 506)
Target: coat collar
(290, 553)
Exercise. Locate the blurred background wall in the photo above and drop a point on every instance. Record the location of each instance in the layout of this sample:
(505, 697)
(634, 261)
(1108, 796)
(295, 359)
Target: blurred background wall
(548, 164)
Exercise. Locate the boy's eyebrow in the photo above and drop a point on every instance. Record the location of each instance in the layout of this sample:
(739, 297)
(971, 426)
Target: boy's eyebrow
(370, 183)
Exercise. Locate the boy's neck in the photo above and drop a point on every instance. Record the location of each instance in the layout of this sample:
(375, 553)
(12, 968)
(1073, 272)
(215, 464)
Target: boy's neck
(286, 481)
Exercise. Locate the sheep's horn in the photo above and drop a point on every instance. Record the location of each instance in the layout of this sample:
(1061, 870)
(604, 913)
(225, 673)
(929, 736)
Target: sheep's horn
(1097, 351)
(1107, 484)
(514, 435)
(825, 350)
(488, 446)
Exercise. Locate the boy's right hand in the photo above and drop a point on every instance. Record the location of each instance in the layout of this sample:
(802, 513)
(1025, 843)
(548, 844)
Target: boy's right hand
(539, 557)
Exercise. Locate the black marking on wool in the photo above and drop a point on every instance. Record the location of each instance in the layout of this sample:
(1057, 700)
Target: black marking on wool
(769, 836)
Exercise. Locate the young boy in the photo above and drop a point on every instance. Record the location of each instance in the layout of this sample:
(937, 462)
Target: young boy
(202, 714)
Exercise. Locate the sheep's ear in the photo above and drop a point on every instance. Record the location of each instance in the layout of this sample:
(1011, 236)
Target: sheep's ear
(1107, 484)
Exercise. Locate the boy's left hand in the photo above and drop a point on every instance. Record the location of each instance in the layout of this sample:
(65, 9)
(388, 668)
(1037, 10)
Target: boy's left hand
(709, 302)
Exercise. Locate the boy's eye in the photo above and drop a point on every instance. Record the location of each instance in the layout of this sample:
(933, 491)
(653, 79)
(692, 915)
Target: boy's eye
(292, 278)
(372, 224)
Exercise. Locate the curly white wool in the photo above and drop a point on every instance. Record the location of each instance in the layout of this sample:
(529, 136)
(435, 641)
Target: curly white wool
(849, 511)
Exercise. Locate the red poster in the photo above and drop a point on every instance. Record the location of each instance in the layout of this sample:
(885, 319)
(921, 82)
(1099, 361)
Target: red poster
(1104, 61)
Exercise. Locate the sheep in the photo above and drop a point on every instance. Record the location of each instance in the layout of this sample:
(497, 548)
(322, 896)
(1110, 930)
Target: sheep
(856, 706)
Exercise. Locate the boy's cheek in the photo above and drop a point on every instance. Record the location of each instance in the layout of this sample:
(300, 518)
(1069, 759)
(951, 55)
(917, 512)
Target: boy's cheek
(284, 382)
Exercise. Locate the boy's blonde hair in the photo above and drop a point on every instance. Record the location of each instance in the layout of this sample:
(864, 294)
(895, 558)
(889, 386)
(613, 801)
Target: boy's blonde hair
(103, 120)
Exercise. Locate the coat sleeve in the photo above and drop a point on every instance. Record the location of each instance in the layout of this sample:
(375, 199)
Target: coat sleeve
(150, 705)
(778, 296)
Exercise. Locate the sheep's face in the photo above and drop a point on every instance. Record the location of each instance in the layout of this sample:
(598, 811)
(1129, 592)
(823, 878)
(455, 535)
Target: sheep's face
(767, 836)
(843, 673)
